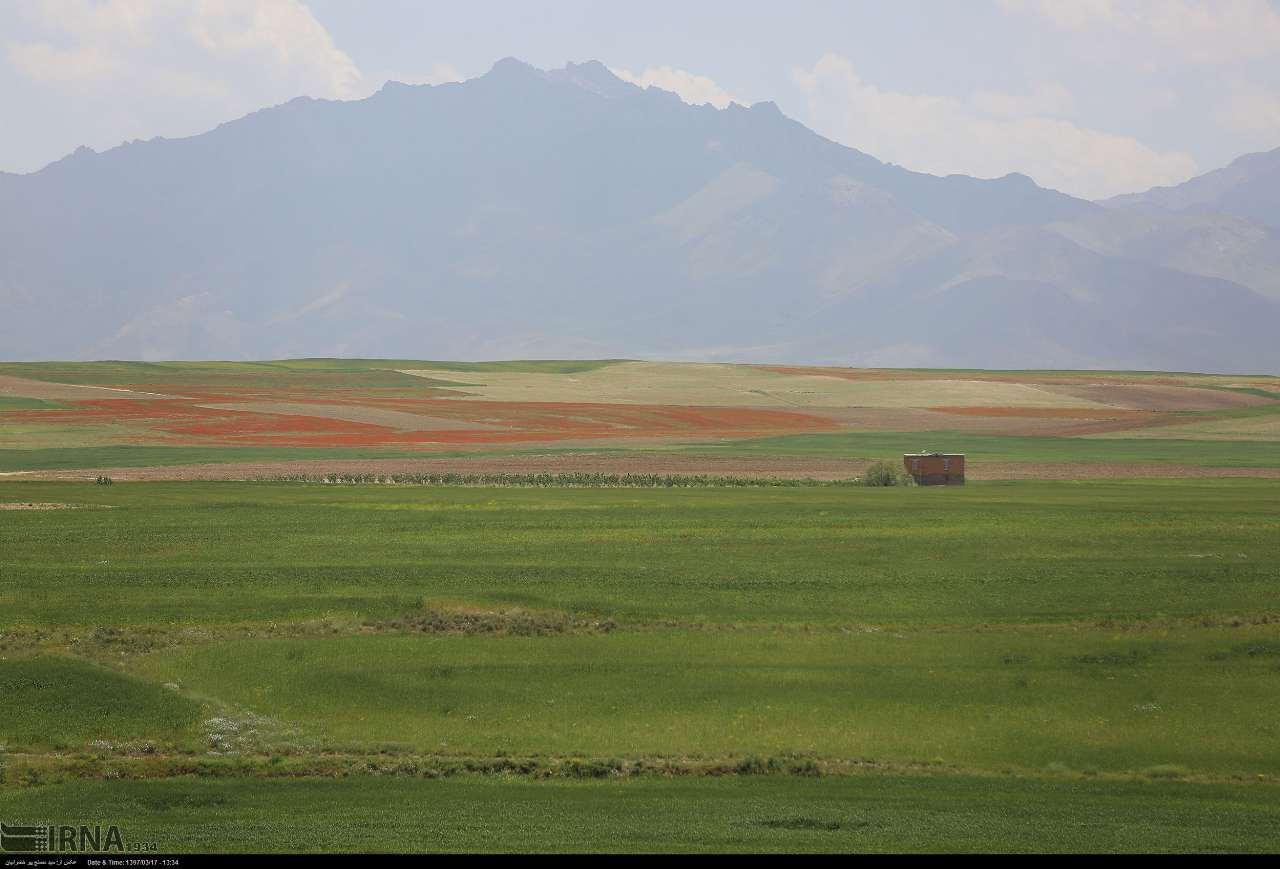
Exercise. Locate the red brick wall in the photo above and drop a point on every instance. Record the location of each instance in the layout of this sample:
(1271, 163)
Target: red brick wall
(935, 470)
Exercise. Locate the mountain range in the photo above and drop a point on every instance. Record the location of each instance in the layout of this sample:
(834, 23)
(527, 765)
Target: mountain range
(567, 213)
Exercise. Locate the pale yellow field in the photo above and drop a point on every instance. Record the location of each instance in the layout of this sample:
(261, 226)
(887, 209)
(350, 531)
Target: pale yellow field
(713, 385)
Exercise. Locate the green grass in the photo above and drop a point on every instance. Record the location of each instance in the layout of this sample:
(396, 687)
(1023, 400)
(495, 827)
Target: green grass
(1017, 666)
(1251, 390)
(180, 378)
(8, 402)
(1079, 700)
(864, 814)
(295, 373)
(217, 553)
(54, 702)
(1002, 448)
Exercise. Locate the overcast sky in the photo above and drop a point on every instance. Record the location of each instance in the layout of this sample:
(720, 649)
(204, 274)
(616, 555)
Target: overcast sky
(1094, 97)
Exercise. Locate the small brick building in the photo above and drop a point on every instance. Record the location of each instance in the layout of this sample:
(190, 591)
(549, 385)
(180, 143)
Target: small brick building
(935, 469)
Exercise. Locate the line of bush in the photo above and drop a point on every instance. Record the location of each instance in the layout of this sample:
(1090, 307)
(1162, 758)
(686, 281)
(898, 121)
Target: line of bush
(563, 480)
(287, 765)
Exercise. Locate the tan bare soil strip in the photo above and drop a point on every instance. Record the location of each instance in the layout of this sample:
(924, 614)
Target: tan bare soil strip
(37, 505)
(764, 467)
(21, 387)
(394, 419)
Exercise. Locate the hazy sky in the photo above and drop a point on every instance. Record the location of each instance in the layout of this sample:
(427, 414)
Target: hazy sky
(1094, 97)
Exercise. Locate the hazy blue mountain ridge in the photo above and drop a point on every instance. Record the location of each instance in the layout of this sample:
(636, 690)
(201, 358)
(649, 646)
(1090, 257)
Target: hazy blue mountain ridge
(569, 213)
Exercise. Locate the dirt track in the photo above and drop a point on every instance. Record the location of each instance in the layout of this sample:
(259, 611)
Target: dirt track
(656, 463)
(22, 387)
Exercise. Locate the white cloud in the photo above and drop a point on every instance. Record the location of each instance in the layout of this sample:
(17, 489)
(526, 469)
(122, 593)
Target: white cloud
(1158, 33)
(693, 89)
(985, 136)
(1251, 110)
(1232, 44)
(203, 49)
(1046, 99)
(130, 69)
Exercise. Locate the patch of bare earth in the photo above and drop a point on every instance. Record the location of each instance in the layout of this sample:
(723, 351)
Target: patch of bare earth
(37, 505)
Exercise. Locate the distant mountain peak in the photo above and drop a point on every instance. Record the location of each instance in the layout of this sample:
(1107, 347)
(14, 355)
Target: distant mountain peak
(1261, 160)
(511, 66)
(455, 221)
(593, 70)
(595, 77)
(1249, 187)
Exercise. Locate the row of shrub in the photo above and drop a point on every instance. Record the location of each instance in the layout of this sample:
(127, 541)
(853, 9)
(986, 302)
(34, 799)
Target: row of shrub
(561, 480)
(879, 474)
(513, 623)
(86, 766)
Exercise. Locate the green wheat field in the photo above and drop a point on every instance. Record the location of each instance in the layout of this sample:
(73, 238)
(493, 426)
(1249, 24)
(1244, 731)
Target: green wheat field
(1070, 666)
